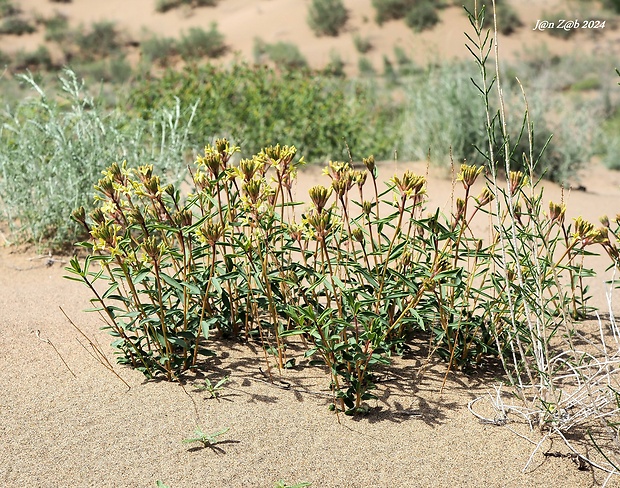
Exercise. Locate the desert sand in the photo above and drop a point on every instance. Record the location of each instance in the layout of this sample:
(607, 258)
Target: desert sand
(67, 421)
(77, 424)
(241, 21)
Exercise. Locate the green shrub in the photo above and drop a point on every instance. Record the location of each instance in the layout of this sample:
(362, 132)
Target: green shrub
(52, 151)
(362, 44)
(335, 67)
(39, 58)
(589, 83)
(112, 70)
(574, 138)
(534, 63)
(613, 5)
(389, 73)
(8, 8)
(284, 55)
(441, 103)
(609, 141)
(16, 26)
(405, 64)
(199, 43)
(365, 67)
(258, 106)
(392, 9)
(157, 50)
(165, 5)
(57, 28)
(508, 20)
(120, 69)
(422, 16)
(229, 261)
(101, 40)
(555, 19)
(5, 59)
(327, 17)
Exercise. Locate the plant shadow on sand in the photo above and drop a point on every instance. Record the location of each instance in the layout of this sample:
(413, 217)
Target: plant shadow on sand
(409, 389)
(213, 447)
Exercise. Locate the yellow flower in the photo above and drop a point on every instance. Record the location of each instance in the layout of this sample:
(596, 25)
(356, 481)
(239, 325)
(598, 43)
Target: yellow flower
(411, 185)
(485, 197)
(557, 212)
(517, 180)
(319, 196)
(469, 174)
(587, 234)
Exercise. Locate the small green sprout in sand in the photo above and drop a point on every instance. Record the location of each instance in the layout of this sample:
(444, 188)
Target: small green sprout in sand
(207, 440)
(214, 389)
(283, 484)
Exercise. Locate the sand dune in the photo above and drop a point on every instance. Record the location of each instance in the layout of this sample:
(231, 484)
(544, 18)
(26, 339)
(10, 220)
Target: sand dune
(241, 21)
(89, 430)
(77, 425)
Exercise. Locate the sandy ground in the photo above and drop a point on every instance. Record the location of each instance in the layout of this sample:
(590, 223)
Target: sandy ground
(78, 425)
(241, 21)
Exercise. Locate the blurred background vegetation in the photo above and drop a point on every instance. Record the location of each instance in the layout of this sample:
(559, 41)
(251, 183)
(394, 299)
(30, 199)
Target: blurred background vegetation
(163, 98)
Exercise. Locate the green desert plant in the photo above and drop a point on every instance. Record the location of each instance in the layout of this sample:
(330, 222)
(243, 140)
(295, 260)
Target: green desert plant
(590, 83)
(613, 5)
(57, 28)
(102, 39)
(207, 440)
(16, 26)
(5, 59)
(443, 129)
(365, 66)
(254, 106)
(423, 15)
(199, 43)
(235, 258)
(158, 50)
(405, 64)
(48, 144)
(214, 389)
(546, 367)
(362, 44)
(39, 58)
(609, 141)
(327, 17)
(392, 9)
(556, 19)
(284, 55)
(389, 73)
(114, 70)
(8, 8)
(335, 67)
(508, 20)
(165, 5)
